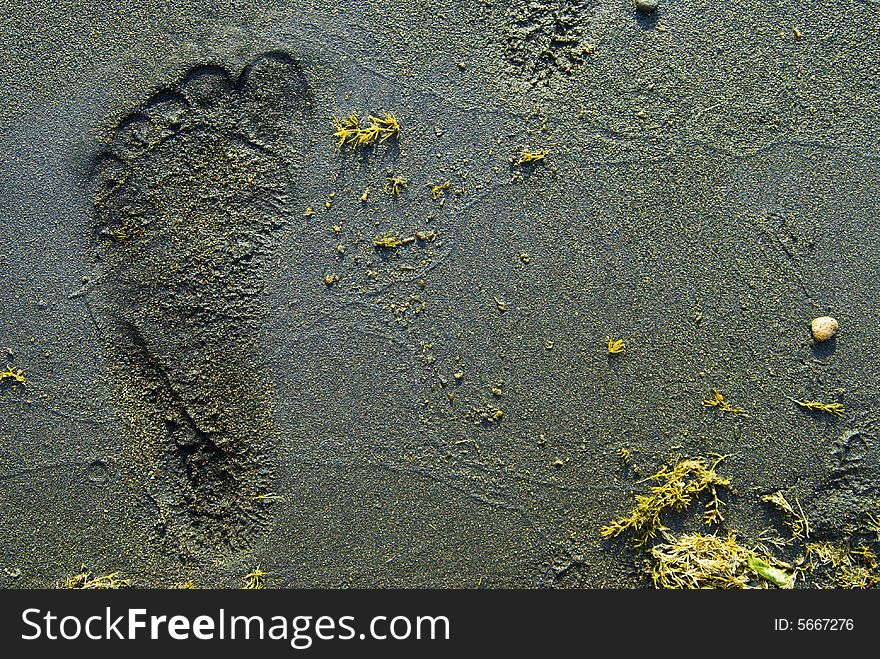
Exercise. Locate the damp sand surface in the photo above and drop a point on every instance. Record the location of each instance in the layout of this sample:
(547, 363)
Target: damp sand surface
(387, 364)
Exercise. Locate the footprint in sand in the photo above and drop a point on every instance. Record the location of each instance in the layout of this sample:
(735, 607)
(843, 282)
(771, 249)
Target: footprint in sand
(191, 198)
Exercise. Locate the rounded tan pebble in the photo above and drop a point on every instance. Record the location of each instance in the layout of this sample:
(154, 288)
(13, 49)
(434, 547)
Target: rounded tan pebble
(824, 328)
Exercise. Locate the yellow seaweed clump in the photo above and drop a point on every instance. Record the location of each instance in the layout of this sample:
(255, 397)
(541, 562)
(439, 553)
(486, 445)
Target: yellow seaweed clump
(87, 580)
(615, 346)
(255, 580)
(700, 561)
(696, 560)
(678, 485)
(846, 566)
(351, 131)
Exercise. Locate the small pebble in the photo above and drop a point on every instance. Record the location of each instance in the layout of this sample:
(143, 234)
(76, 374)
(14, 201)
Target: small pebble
(824, 328)
(647, 6)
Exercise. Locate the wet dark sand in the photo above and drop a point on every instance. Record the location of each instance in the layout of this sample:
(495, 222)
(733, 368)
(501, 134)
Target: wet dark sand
(200, 400)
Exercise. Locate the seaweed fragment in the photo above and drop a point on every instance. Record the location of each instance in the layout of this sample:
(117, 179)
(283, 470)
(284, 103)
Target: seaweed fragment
(834, 409)
(350, 131)
(15, 375)
(255, 579)
(615, 346)
(88, 580)
(532, 156)
(394, 185)
(678, 486)
(716, 400)
(795, 520)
